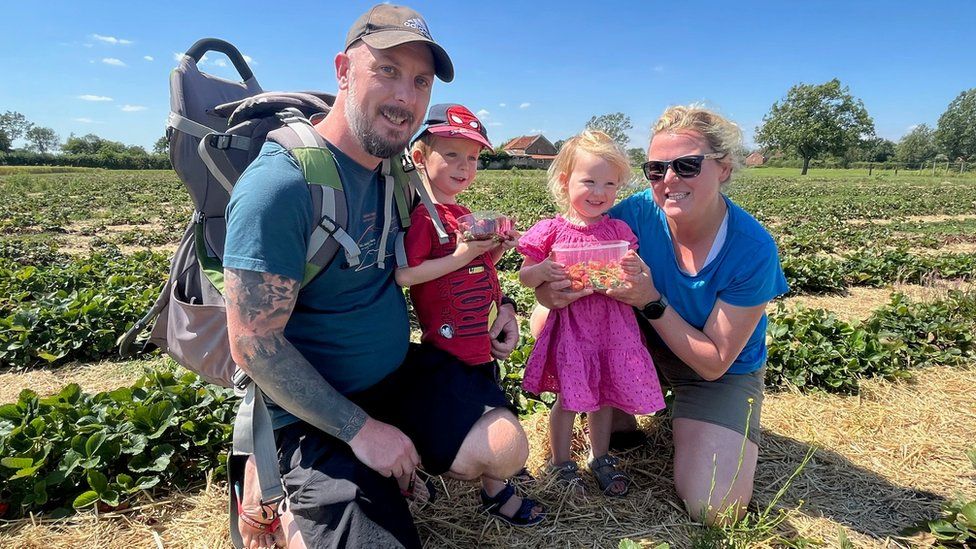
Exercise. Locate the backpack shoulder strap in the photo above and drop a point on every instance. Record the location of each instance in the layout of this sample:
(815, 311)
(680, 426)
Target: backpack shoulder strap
(328, 199)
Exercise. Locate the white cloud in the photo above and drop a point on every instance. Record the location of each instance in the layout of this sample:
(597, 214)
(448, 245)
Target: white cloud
(658, 68)
(111, 40)
(503, 105)
(534, 131)
(482, 113)
(83, 120)
(247, 58)
(113, 61)
(177, 56)
(220, 62)
(89, 97)
(525, 105)
(132, 108)
(148, 58)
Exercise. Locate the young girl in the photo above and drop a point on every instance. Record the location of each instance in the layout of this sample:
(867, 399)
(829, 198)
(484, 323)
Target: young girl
(590, 352)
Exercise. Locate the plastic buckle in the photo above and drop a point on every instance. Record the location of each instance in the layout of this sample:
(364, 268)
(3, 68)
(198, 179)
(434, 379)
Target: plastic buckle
(408, 165)
(198, 217)
(220, 141)
(240, 379)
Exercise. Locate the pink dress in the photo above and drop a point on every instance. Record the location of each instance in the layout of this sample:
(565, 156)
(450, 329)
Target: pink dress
(590, 352)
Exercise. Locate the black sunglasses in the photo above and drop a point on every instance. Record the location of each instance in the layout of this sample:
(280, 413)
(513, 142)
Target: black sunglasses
(685, 166)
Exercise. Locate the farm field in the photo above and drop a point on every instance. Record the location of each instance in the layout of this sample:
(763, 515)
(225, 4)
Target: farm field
(865, 431)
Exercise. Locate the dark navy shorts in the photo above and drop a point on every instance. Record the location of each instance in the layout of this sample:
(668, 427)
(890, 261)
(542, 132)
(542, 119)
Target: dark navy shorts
(435, 399)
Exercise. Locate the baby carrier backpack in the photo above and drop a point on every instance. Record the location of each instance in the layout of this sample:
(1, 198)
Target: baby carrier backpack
(215, 129)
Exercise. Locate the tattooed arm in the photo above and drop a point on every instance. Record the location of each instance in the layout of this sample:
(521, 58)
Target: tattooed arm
(258, 308)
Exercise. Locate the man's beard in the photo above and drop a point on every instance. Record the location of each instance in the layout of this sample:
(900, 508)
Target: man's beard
(371, 140)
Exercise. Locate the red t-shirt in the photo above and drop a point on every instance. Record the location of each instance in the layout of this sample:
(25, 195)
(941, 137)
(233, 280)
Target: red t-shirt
(454, 309)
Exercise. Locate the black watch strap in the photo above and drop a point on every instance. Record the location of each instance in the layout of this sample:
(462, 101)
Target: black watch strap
(509, 301)
(655, 309)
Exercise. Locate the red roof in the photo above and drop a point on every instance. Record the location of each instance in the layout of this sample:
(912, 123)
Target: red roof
(521, 143)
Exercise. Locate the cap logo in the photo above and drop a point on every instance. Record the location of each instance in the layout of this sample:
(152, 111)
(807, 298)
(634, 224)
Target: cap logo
(419, 25)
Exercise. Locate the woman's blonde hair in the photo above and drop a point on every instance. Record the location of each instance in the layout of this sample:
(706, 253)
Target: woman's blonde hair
(723, 135)
(594, 142)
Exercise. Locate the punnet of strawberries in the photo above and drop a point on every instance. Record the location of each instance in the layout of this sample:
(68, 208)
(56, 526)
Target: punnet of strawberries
(597, 274)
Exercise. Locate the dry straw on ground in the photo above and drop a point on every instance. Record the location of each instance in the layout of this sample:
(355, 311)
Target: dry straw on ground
(884, 459)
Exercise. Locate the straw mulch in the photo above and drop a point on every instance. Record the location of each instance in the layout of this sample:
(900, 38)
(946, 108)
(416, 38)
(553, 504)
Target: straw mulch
(884, 460)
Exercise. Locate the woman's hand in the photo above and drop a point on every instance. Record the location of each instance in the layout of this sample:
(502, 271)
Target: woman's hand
(638, 288)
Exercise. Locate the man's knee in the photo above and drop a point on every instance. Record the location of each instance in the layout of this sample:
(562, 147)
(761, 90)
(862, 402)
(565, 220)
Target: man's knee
(495, 447)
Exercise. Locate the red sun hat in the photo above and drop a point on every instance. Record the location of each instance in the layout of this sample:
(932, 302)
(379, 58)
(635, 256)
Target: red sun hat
(455, 121)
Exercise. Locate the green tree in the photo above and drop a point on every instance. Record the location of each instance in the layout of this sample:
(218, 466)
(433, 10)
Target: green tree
(614, 124)
(955, 134)
(92, 144)
(813, 120)
(13, 126)
(42, 140)
(161, 146)
(637, 156)
(916, 146)
(877, 149)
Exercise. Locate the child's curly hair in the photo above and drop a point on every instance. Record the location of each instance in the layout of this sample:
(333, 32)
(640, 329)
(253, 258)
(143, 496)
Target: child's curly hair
(594, 142)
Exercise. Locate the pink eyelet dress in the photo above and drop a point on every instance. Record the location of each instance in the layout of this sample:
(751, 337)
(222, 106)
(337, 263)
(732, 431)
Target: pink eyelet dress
(590, 352)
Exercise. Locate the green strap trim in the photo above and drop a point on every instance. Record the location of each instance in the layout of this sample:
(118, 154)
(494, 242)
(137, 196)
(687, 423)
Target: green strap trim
(311, 271)
(318, 166)
(212, 267)
(402, 181)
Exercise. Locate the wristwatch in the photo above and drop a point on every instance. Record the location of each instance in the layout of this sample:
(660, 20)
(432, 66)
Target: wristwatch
(654, 309)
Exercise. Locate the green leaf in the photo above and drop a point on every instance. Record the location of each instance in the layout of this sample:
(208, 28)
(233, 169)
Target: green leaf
(97, 481)
(11, 412)
(94, 443)
(628, 543)
(110, 497)
(16, 463)
(969, 512)
(85, 499)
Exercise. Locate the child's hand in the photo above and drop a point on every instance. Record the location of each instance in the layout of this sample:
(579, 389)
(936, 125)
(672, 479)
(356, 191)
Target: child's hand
(631, 263)
(552, 271)
(511, 240)
(472, 249)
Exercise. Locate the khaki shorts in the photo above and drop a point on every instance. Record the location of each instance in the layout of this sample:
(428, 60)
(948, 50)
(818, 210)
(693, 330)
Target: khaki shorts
(723, 402)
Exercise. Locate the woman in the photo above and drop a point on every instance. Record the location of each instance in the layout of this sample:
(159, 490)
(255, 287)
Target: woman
(705, 272)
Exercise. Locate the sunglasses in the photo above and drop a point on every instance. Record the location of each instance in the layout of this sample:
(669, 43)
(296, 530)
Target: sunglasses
(684, 167)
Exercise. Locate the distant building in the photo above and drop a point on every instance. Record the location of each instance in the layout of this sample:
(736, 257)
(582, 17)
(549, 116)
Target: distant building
(755, 159)
(530, 151)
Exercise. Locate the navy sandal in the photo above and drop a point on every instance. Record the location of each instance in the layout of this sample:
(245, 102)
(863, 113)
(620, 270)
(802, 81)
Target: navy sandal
(522, 517)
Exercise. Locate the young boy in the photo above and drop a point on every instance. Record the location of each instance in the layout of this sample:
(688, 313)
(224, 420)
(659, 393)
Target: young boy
(454, 286)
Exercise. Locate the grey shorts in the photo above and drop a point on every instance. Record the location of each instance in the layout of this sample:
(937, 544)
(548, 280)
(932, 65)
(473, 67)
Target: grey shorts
(723, 402)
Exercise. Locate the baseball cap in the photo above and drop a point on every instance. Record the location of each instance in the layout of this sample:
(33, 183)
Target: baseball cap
(455, 121)
(385, 26)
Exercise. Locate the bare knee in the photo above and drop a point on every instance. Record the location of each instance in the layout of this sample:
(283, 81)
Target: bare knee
(495, 447)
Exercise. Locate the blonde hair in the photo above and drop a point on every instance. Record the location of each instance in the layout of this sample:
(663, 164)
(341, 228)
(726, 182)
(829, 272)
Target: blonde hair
(594, 142)
(722, 135)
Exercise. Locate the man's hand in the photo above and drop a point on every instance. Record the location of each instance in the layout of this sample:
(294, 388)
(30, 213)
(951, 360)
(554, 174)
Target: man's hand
(506, 325)
(385, 449)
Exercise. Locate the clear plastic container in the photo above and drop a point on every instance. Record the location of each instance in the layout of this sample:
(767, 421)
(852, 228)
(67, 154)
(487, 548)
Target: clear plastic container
(484, 226)
(592, 264)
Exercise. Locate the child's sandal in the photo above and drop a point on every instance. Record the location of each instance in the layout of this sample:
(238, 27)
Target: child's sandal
(567, 473)
(523, 516)
(605, 470)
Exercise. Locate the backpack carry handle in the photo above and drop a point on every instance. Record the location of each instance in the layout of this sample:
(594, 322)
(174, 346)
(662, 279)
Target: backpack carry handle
(204, 45)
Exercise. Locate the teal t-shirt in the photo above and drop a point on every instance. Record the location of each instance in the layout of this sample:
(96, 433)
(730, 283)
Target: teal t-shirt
(745, 273)
(350, 323)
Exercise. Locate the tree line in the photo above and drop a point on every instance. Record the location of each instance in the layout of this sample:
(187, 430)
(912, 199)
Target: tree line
(43, 147)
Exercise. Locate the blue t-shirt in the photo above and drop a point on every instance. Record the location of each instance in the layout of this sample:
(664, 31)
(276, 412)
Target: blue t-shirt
(350, 323)
(745, 273)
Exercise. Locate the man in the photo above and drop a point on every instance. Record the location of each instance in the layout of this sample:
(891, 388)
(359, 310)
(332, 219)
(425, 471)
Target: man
(355, 407)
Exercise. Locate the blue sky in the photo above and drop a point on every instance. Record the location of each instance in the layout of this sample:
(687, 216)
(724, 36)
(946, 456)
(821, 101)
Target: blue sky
(102, 67)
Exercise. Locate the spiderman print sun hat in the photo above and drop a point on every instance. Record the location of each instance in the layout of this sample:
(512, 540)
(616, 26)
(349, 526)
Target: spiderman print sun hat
(453, 120)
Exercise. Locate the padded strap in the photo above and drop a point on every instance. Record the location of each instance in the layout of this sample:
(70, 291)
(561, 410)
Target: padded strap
(253, 435)
(421, 190)
(219, 166)
(389, 183)
(187, 126)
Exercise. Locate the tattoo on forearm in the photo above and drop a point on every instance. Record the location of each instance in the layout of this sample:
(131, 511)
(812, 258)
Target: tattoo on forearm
(262, 304)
